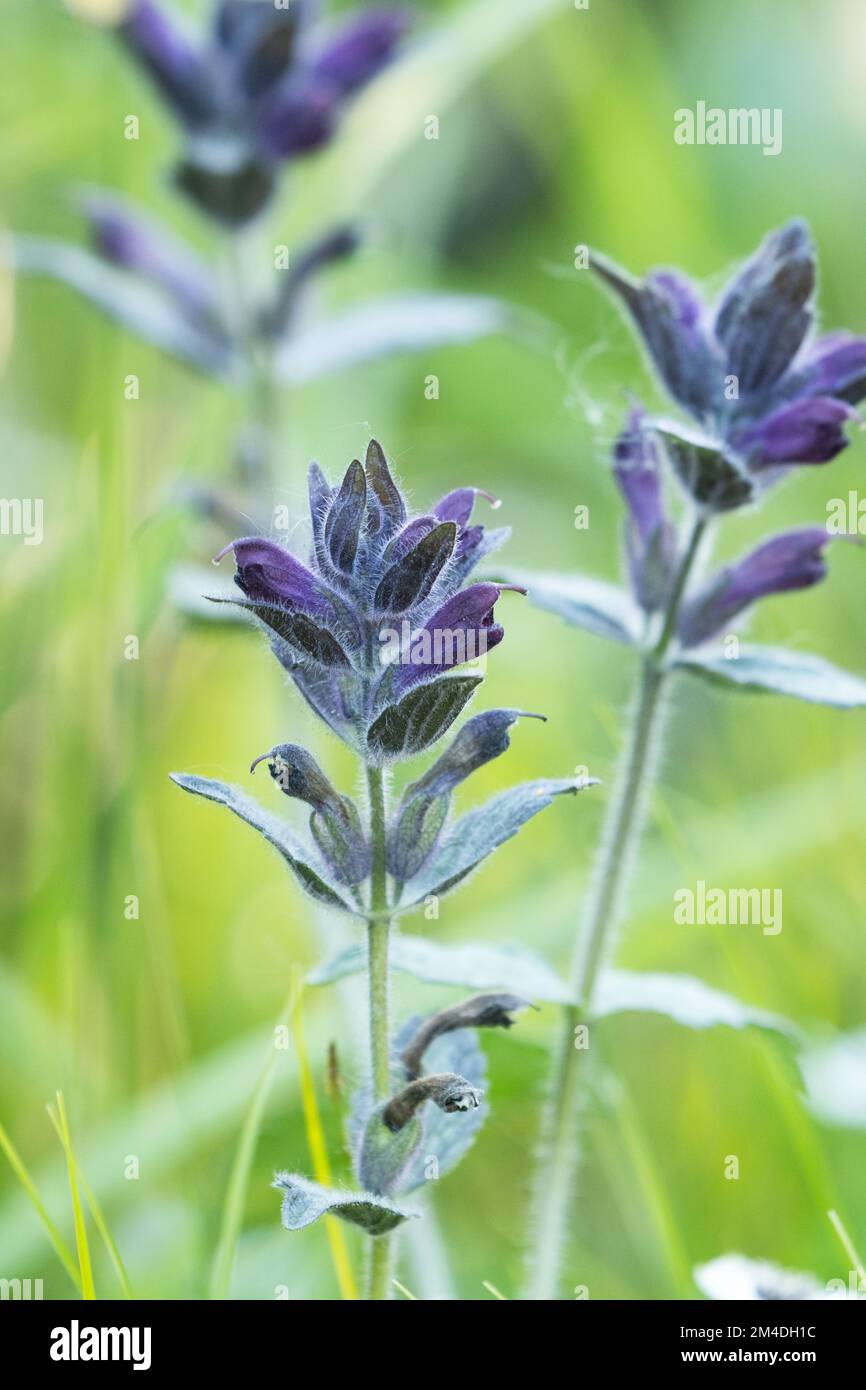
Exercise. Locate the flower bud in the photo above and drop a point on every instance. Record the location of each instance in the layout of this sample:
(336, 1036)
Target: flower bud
(335, 823)
(425, 803)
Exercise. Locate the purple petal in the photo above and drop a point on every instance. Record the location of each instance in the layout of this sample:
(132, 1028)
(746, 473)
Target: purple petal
(794, 560)
(459, 630)
(457, 505)
(638, 473)
(298, 119)
(835, 366)
(174, 63)
(670, 316)
(268, 573)
(136, 243)
(360, 49)
(805, 431)
(260, 38)
(651, 544)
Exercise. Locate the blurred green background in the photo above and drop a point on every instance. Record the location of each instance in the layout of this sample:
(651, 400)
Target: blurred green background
(556, 128)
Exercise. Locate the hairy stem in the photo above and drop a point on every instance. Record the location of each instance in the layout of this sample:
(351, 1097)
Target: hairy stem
(555, 1181)
(378, 931)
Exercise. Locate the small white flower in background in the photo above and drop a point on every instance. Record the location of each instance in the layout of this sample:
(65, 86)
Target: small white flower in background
(733, 1277)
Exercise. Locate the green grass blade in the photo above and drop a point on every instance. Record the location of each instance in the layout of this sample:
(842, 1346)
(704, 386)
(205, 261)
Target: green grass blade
(239, 1180)
(99, 1221)
(61, 1124)
(64, 1254)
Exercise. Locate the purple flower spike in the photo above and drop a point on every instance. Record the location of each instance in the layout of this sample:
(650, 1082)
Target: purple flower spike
(794, 560)
(360, 49)
(177, 67)
(353, 627)
(806, 431)
(763, 395)
(651, 545)
(255, 91)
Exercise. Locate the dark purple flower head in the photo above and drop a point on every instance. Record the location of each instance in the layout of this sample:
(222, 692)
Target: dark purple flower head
(794, 560)
(260, 87)
(379, 614)
(765, 396)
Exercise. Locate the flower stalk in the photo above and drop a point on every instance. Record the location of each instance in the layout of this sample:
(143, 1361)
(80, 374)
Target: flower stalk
(555, 1180)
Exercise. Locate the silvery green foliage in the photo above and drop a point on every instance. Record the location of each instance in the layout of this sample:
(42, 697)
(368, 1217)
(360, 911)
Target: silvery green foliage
(312, 874)
(835, 1073)
(304, 1201)
(472, 965)
(776, 671)
(684, 1000)
(478, 833)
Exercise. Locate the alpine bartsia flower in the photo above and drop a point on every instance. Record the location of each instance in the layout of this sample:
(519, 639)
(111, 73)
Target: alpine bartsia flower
(258, 89)
(765, 394)
(372, 626)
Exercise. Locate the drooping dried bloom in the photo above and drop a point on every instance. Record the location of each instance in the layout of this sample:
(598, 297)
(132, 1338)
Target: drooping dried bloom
(765, 394)
(481, 1011)
(259, 88)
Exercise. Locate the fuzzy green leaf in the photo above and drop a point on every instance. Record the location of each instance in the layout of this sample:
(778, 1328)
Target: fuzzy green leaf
(139, 307)
(777, 671)
(477, 834)
(473, 966)
(683, 999)
(591, 604)
(411, 322)
(312, 876)
(304, 1201)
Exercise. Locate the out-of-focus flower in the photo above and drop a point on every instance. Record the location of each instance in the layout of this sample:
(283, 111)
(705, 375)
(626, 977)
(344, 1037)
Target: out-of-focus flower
(765, 395)
(732, 1278)
(260, 87)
